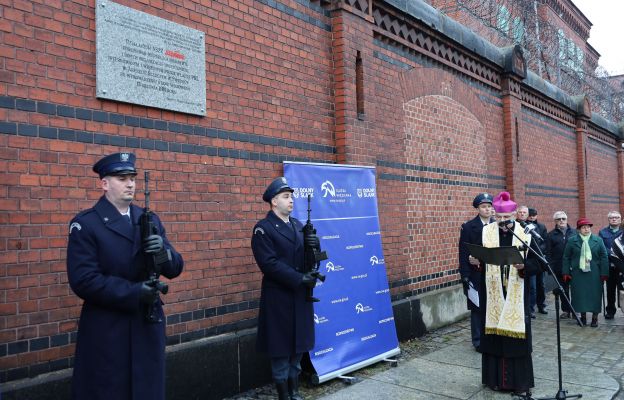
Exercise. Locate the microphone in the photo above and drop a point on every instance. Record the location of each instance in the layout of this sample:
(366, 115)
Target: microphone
(529, 229)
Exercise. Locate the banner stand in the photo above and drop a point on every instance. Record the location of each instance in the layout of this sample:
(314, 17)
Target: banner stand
(316, 379)
(353, 321)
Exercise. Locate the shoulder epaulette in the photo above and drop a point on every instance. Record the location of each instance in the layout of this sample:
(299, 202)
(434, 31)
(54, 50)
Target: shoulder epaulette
(84, 212)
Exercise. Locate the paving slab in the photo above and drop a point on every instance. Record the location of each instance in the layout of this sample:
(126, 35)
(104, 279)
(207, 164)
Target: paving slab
(371, 389)
(592, 365)
(440, 378)
(461, 354)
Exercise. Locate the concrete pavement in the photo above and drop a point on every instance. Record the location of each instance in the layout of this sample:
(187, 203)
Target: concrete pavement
(592, 365)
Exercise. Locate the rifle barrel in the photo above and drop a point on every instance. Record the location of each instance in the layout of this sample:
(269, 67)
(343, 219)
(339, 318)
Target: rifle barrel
(147, 192)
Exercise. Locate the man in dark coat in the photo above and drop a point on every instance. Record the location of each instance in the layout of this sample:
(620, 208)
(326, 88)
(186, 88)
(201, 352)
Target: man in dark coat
(286, 320)
(608, 234)
(119, 353)
(538, 295)
(469, 267)
(555, 245)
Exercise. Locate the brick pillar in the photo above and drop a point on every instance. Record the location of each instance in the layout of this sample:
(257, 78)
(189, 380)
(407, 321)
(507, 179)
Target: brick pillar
(583, 115)
(341, 79)
(350, 38)
(581, 160)
(511, 126)
(620, 161)
(514, 73)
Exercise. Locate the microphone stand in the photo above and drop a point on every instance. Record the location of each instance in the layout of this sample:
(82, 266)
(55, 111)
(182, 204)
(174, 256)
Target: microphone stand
(558, 292)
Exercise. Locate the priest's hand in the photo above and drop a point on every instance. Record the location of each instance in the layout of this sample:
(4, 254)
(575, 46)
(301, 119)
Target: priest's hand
(519, 266)
(474, 261)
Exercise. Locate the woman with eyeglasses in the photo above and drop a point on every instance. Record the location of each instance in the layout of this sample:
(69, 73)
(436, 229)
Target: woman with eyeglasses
(585, 267)
(555, 244)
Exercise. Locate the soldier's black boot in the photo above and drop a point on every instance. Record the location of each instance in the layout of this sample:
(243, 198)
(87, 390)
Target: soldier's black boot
(293, 388)
(282, 390)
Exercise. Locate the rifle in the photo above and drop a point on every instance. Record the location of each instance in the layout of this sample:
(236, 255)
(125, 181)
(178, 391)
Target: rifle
(153, 262)
(312, 255)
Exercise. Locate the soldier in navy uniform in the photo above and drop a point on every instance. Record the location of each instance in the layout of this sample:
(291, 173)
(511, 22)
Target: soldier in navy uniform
(286, 319)
(119, 353)
(470, 268)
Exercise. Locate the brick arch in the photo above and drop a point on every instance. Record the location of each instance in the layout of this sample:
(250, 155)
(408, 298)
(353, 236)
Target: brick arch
(445, 147)
(424, 81)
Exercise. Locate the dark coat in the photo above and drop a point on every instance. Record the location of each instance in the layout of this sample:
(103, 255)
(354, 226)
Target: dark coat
(286, 320)
(533, 264)
(118, 354)
(586, 287)
(555, 245)
(471, 232)
(543, 233)
(608, 236)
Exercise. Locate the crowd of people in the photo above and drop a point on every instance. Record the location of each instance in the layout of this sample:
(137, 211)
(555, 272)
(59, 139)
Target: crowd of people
(503, 299)
(120, 346)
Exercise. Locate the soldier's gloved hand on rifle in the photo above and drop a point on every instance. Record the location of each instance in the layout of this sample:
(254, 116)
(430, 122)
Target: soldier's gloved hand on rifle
(309, 279)
(148, 293)
(153, 244)
(312, 241)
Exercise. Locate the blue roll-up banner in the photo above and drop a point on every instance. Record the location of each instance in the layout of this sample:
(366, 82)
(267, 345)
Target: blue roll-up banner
(353, 320)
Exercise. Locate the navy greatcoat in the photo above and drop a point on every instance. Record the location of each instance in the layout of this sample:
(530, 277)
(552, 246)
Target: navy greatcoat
(286, 320)
(118, 354)
(471, 232)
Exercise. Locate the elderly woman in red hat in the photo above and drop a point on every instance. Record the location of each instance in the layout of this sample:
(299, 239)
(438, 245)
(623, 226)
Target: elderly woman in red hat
(585, 267)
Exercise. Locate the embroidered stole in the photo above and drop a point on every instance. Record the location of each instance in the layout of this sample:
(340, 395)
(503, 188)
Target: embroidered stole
(504, 315)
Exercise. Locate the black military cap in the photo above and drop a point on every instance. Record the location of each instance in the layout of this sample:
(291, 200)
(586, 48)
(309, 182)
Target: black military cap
(481, 198)
(532, 212)
(276, 187)
(116, 164)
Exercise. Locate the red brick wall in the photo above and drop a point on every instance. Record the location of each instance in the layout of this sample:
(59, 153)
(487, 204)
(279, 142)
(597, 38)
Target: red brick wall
(281, 85)
(269, 98)
(548, 163)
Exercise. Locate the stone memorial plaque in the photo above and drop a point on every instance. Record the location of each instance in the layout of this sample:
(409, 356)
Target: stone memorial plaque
(143, 59)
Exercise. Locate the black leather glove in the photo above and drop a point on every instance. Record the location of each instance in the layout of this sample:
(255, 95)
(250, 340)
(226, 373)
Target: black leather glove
(153, 244)
(148, 293)
(309, 279)
(465, 283)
